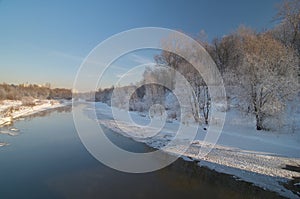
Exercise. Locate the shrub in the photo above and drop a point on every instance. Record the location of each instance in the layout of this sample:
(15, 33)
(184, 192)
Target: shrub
(28, 101)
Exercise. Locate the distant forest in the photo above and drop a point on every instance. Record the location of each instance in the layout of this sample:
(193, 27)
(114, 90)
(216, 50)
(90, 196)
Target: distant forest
(21, 91)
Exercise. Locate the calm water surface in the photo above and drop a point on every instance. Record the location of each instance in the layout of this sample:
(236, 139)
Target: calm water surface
(48, 160)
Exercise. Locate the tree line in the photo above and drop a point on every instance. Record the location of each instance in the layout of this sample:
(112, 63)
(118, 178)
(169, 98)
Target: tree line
(260, 70)
(21, 91)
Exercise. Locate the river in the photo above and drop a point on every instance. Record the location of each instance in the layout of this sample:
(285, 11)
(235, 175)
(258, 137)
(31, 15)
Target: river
(47, 160)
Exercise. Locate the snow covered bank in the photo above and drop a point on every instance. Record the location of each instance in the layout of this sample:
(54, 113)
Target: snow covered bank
(13, 109)
(2, 144)
(256, 157)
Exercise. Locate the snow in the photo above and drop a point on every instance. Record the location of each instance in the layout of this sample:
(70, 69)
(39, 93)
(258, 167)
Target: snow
(19, 110)
(3, 144)
(254, 156)
(9, 132)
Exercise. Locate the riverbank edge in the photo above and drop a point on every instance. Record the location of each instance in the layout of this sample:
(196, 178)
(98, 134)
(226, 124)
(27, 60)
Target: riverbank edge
(29, 110)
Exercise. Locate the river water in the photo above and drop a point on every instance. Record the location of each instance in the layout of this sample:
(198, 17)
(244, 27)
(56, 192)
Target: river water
(47, 160)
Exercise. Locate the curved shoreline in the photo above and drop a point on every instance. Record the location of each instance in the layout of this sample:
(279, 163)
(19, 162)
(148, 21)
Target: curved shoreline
(265, 170)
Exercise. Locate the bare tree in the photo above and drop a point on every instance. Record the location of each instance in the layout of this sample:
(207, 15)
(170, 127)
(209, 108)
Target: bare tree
(288, 30)
(205, 103)
(2, 94)
(200, 99)
(224, 53)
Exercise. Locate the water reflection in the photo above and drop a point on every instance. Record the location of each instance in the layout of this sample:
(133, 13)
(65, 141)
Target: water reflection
(49, 161)
(64, 109)
(180, 180)
(10, 129)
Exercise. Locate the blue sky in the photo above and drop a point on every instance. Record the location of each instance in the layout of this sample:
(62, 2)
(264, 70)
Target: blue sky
(46, 41)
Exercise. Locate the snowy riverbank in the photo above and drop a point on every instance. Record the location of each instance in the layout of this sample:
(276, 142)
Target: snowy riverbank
(13, 109)
(258, 157)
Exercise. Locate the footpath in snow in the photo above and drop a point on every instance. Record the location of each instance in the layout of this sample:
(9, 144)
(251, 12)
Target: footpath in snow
(255, 156)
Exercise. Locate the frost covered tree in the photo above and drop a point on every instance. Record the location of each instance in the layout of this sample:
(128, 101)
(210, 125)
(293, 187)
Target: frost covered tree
(170, 59)
(200, 97)
(155, 93)
(188, 103)
(288, 31)
(122, 96)
(267, 75)
(104, 95)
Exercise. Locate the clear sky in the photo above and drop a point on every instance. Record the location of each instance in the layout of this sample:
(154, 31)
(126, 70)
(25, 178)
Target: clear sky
(46, 41)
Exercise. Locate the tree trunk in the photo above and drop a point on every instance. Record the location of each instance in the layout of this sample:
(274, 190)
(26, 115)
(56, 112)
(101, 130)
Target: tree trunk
(259, 125)
(206, 121)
